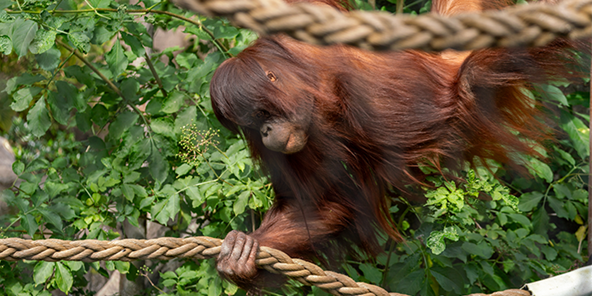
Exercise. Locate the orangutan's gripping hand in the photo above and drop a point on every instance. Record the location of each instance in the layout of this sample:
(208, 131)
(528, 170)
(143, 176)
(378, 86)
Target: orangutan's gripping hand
(236, 261)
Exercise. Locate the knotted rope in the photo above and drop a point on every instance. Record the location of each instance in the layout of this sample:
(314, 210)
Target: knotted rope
(275, 261)
(522, 25)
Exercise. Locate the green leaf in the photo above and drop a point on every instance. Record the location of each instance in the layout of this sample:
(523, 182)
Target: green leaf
(83, 75)
(100, 3)
(100, 115)
(571, 210)
(566, 156)
(542, 170)
(129, 88)
(122, 267)
(25, 79)
(80, 41)
(43, 270)
(50, 59)
(562, 191)
(482, 249)
(83, 120)
(18, 167)
(580, 194)
(128, 192)
(159, 167)
(116, 60)
(186, 59)
(37, 164)
(23, 33)
(413, 282)
(519, 218)
(38, 118)
(371, 273)
(166, 209)
(5, 4)
(23, 97)
(472, 272)
(55, 21)
(146, 202)
(140, 191)
(550, 252)
(557, 206)
(183, 169)
(436, 242)
(173, 102)
(74, 265)
(195, 195)
(450, 233)
(169, 282)
(51, 218)
(529, 200)
(198, 32)
(60, 107)
(140, 151)
(185, 117)
(121, 124)
(64, 210)
(29, 224)
(194, 75)
(43, 41)
(578, 132)
(241, 202)
(63, 278)
(5, 45)
(102, 34)
(173, 206)
(131, 177)
(555, 94)
(445, 282)
(163, 126)
(215, 288)
(134, 43)
(225, 32)
(39, 197)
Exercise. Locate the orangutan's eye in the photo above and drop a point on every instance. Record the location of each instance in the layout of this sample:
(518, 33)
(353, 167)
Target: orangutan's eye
(271, 76)
(262, 115)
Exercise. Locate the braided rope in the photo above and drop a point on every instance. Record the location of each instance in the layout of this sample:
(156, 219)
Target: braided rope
(522, 25)
(15, 249)
(166, 248)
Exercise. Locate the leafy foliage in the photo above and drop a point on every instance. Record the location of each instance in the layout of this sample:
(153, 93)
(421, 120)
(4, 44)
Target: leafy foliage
(116, 132)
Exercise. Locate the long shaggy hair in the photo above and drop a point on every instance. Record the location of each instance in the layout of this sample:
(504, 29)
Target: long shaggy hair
(374, 117)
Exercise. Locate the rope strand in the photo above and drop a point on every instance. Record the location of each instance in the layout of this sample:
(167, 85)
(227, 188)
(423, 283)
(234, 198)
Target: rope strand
(522, 25)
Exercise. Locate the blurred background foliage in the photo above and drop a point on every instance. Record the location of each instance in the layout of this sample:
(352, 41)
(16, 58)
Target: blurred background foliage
(118, 140)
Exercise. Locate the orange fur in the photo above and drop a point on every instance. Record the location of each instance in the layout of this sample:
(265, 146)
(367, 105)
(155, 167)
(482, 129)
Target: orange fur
(373, 118)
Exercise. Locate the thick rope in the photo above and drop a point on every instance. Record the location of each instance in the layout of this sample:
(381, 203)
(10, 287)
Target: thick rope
(275, 261)
(522, 25)
(14, 249)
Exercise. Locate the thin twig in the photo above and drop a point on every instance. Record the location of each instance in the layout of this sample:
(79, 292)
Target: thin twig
(92, 67)
(143, 11)
(400, 6)
(156, 77)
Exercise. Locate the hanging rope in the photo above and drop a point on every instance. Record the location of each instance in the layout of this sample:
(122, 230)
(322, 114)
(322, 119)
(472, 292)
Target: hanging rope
(522, 25)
